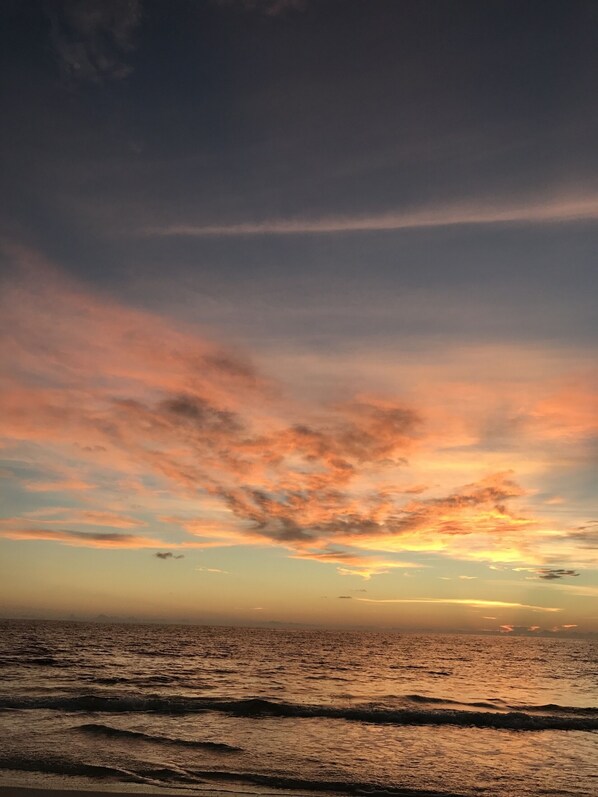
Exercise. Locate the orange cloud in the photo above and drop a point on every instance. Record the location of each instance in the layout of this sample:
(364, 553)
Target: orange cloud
(83, 538)
(568, 413)
(61, 486)
(84, 517)
(351, 564)
(127, 394)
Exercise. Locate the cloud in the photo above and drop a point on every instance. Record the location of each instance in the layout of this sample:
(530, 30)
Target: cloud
(125, 398)
(92, 39)
(72, 516)
(550, 575)
(586, 535)
(475, 521)
(472, 602)
(212, 570)
(82, 538)
(345, 597)
(533, 211)
(526, 630)
(352, 564)
(168, 555)
(58, 486)
(563, 628)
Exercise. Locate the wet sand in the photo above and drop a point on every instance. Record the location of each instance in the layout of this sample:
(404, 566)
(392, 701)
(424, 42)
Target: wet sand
(145, 791)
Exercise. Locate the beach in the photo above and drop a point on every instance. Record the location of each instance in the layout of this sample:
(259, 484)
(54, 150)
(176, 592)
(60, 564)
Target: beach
(20, 791)
(24, 791)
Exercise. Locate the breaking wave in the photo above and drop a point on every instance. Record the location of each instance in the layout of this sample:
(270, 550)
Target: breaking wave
(99, 729)
(169, 775)
(60, 766)
(427, 712)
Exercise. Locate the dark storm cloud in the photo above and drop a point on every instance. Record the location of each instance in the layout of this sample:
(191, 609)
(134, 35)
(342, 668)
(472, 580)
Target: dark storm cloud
(168, 555)
(93, 39)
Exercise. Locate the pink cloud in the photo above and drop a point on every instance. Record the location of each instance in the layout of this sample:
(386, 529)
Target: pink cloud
(61, 515)
(103, 388)
(60, 486)
(82, 538)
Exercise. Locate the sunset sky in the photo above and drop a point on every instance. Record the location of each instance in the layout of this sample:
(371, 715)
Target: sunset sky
(298, 311)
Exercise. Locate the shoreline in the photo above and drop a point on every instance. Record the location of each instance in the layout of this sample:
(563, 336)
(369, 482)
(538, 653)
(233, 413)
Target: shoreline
(114, 791)
(93, 791)
(61, 791)
(146, 790)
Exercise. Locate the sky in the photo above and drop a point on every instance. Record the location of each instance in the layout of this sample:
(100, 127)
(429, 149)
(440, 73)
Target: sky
(298, 312)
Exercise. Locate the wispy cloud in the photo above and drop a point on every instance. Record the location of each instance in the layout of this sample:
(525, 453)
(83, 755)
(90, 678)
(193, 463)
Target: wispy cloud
(216, 570)
(82, 538)
(534, 211)
(352, 564)
(58, 486)
(472, 602)
(61, 515)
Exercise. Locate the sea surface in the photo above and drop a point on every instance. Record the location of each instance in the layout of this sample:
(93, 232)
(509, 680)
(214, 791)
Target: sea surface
(271, 711)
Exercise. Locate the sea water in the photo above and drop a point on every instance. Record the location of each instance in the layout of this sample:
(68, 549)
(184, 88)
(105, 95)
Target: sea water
(268, 710)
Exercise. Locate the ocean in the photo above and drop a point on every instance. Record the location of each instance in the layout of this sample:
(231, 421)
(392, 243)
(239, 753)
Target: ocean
(277, 711)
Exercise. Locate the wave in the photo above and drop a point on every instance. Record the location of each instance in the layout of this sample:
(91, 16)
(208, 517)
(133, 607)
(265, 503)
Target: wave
(554, 707)
(32, 661)
(60, 766)
(98, 729)
(141, 679)
(530, 718)
(165, 776)
(447, 701)
(344, 787)
(496, 703)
